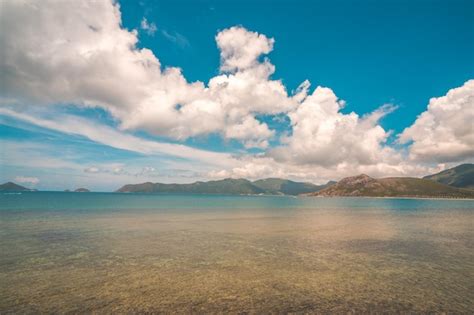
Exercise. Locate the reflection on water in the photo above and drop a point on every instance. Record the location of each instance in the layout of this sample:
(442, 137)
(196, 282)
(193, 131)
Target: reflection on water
(296, 259)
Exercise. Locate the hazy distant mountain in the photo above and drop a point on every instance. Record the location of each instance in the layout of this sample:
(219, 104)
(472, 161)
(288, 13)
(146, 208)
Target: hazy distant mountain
(13, 187)
(461, 176)
(363, 185)
(273, 186)
(288, 187)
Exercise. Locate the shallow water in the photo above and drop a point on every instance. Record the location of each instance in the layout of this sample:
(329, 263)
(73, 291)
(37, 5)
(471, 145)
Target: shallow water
(71, 252)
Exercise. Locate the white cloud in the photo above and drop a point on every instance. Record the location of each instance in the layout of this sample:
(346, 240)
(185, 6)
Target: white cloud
(240, 49)
(77, 52)
(445, 131)
(92, 170)
(255, 167)
(149, 28)
(27, 180)
(326, 144)
(322, 135)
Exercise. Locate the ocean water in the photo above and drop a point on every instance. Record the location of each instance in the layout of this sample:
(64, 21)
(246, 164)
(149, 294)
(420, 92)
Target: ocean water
(137, 253)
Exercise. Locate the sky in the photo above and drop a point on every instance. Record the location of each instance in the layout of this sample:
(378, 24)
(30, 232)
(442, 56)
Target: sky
(99, 94)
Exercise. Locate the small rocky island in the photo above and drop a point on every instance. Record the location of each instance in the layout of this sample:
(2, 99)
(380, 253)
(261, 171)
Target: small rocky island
(82, 190)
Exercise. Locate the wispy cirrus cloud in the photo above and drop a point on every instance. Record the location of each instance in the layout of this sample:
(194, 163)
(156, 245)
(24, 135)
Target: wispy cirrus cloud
(176, 38)
(114, 138)
(145, 171)
(149, 28)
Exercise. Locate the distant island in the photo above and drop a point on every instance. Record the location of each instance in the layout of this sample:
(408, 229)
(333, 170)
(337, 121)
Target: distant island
(10, 186)
(82, 190)
(269, 186)
(78, 190)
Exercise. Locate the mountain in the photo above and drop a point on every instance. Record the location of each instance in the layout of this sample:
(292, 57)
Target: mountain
(13, 187)
(225, 186)
(461, 176)
(366, 186)
(272, 186)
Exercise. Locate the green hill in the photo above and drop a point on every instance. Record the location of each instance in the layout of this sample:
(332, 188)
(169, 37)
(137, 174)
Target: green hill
(225, 186)
(366, 186)
(461, 176)
(13, 187)
(270, 186)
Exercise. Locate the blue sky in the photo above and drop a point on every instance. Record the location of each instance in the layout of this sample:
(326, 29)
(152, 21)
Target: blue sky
(77, 111)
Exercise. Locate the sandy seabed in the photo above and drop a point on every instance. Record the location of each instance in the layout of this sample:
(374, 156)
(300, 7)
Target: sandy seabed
(246, 261)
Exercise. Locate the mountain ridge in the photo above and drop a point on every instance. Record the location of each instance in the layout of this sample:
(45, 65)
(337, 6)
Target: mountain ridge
(270, 186)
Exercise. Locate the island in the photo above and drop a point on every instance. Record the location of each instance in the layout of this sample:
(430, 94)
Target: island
(82, 190)
(10, 186)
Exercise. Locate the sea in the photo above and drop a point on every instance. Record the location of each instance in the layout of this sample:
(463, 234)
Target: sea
(108, 253)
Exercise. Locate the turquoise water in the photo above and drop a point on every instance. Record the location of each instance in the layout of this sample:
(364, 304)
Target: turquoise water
(128, 253)
(64, 201)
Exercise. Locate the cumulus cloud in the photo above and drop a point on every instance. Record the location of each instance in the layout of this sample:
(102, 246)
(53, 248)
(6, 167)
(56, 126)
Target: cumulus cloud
(327, 144)
(256, 167)
(27, 180)
(445, 131)
(77, 52)
(322, 135)
(240, 49)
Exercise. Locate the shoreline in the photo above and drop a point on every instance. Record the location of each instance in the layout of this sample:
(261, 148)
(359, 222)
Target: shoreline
(392, 197)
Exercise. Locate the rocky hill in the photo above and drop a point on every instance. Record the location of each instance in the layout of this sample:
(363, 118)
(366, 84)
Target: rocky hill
(366, 186)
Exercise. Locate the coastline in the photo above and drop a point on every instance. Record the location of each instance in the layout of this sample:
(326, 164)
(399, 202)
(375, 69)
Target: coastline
(236, 195)
(392, 197)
